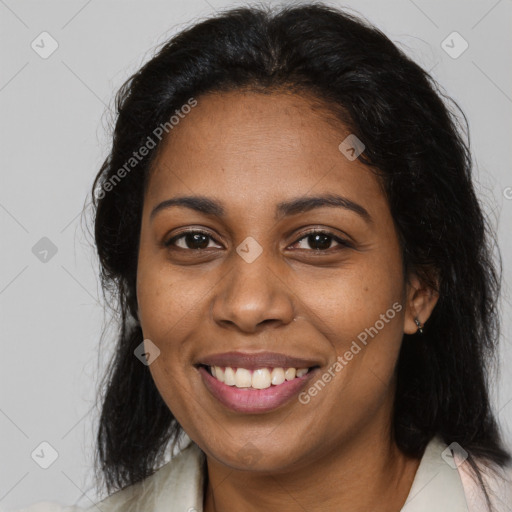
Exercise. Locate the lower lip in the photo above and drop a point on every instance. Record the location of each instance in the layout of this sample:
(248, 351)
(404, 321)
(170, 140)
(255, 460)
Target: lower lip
(249, 400)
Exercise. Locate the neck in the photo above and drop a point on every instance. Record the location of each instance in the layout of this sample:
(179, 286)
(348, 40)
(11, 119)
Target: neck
(367, 473)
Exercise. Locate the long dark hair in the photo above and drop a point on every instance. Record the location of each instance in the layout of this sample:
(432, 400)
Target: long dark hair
(415, 141)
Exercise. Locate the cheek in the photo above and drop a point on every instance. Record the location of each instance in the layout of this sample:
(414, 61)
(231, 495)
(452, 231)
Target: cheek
(353, 298)
(359, 309)
(166, 300)
(168, 313)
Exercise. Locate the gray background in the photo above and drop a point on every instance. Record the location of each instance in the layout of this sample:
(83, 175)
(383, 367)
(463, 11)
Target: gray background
(54, 132)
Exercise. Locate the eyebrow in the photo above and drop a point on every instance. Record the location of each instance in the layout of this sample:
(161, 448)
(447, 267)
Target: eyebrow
(213, 207)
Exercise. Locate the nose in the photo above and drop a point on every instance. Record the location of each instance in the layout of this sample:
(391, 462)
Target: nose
(253, 296)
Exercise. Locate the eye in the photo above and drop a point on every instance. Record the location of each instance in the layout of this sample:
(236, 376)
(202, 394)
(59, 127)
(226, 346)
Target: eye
(192, 240)
(320, 240)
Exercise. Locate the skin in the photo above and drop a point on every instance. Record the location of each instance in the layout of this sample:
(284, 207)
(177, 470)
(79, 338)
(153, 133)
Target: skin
(251, 151)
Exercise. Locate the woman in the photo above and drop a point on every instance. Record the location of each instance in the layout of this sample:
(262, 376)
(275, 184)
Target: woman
(304, 275)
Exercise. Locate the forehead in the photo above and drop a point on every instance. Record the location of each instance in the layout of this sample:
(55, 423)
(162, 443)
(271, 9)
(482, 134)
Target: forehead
(247, 146)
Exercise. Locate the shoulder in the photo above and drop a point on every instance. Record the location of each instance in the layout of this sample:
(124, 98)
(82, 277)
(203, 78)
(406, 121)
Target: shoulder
(445, 480)
(496, 479)
(177, 485)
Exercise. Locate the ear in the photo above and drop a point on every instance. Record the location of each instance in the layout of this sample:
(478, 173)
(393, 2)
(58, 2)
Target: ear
(420, 302)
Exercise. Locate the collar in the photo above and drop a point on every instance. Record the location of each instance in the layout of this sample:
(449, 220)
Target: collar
(437, 484)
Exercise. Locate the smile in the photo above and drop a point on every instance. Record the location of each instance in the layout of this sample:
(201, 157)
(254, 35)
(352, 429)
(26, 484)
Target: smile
(254, 391)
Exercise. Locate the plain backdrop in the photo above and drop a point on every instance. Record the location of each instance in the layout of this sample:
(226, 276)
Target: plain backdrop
(55, 135)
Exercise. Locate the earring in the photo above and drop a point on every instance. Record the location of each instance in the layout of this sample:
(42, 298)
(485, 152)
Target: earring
(420, 326)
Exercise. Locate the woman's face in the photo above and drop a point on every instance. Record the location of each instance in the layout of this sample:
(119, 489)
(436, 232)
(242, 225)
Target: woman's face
(257, 281)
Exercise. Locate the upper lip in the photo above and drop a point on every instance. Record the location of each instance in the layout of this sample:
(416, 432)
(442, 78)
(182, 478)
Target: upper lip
(253, 361)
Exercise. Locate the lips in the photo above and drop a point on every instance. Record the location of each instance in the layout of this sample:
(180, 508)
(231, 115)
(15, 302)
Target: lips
(248, 399)
(254, 401)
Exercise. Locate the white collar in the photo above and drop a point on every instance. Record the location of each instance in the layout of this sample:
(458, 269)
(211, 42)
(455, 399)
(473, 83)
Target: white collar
(437, 484)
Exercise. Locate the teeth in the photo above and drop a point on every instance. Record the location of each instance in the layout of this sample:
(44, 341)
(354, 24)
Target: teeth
(219, 373)
(229, 376)
(289, 374)
(262, 378)
(243, 378)
(277, 376)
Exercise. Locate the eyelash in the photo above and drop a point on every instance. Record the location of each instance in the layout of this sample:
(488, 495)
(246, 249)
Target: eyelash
(343, 243)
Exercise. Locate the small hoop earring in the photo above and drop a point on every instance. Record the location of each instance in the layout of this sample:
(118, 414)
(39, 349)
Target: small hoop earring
(420, 326)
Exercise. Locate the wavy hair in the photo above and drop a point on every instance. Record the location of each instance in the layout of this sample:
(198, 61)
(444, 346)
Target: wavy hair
(415, 141)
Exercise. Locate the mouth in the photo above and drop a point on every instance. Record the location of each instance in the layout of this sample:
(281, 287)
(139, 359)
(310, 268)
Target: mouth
(254, 390)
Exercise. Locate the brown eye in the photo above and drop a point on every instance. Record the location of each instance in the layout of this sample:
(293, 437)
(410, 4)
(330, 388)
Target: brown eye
(191, 240)
(320, 241)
